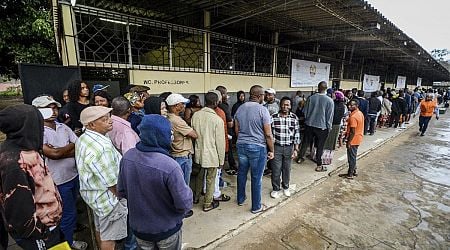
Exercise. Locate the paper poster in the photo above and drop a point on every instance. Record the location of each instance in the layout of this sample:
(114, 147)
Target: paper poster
(308, 73)
(419, 82)
(371, 83)
(401, 82)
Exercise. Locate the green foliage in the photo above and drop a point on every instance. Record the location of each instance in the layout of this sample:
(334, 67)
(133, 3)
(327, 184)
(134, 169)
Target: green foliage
(26, 34)
(12, 91)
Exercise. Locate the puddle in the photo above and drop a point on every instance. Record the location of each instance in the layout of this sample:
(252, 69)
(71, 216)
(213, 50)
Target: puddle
(436, 175)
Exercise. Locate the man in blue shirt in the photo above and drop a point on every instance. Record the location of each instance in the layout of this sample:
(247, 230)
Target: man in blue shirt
(254, 145)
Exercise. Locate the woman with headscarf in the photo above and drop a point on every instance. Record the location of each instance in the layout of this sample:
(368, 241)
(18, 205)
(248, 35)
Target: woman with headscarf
(240, 100)
(330, 143)
(155, 105)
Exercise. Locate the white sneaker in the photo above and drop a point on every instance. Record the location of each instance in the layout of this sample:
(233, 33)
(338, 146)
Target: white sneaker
(287, 192)
(275, 194)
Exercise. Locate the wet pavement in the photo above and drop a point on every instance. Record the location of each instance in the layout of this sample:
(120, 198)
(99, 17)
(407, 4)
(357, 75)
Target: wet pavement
(400, 200)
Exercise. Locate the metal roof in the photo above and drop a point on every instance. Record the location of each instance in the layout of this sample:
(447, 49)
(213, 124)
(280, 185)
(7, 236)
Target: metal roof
(350, 31)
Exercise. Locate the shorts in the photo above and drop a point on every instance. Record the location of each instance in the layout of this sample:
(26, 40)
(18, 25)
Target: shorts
(114, 225)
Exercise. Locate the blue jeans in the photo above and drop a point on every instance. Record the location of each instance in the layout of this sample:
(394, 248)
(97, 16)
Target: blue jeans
(186, 165)
(251, 157)
(69, 192)
(423, 123)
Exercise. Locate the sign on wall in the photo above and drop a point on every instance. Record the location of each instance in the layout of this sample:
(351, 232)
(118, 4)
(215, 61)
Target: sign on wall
(308, 73)
(419, 82)
(160, 81)
(371, 83)
(401, 82)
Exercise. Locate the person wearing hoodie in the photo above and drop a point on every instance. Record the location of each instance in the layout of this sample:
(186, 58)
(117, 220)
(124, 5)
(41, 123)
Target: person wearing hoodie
(155, 105)
(240, 100)
(153, 183)
(30, 202)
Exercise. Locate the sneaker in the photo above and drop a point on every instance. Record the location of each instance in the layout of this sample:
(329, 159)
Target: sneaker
(189, 214)
(275, 194)
(287, 192)
(422, 134)
(267, 172)
(79, 245)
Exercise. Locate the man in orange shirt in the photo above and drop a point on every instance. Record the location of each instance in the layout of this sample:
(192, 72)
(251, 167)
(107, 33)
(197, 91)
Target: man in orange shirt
(355, 131)
(426, 108)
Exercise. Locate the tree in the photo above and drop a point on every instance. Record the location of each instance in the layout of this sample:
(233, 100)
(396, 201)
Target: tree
(440, 54)
(26, 35)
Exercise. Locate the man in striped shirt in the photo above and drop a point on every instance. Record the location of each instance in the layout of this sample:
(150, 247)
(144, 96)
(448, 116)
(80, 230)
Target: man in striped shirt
(98, 167)
(286, 133)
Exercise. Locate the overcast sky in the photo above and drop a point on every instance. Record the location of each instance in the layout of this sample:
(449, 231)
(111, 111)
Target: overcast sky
(425, 21)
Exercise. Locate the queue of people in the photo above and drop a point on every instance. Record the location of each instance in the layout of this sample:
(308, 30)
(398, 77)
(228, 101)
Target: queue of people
(140, 162)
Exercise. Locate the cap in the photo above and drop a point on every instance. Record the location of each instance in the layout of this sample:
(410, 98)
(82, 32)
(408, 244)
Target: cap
(46, 112)
(139, 88)
(173, 99)
(92, 113)
(44, 101)
(132, 97)
(98, 87)
(339, 95)
(271, 91)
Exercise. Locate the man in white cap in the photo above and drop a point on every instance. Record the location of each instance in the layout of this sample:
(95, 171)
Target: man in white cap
(181, 148)
(270, 102)
(98, 165)
(59, 151)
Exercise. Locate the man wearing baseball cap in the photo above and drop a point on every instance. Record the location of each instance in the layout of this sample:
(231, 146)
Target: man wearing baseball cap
(59, 151)
(181, 148)
(98, 165)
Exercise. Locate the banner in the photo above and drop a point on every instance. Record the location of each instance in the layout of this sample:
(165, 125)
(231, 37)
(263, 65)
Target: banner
(371, 83)
(401, 82)
(308, 73)
(419, 82)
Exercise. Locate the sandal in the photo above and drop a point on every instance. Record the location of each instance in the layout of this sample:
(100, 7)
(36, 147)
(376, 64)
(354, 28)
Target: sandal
(213, 205)
(321, 169)
(262, 209)
(231, 172)
(223, 197)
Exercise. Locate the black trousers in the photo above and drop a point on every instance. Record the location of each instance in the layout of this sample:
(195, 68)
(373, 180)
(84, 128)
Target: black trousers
(319, 136)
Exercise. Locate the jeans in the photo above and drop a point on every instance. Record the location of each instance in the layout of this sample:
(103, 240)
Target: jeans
(186, 165)
(171, 243)
(423, 123)
(251, 157)
(372, 123)
(69, 192)
(130, 241)
(320, 136)
(281, 166)
(352, 152)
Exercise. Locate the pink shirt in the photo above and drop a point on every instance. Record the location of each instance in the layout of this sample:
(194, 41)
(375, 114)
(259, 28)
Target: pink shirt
(122, 135)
